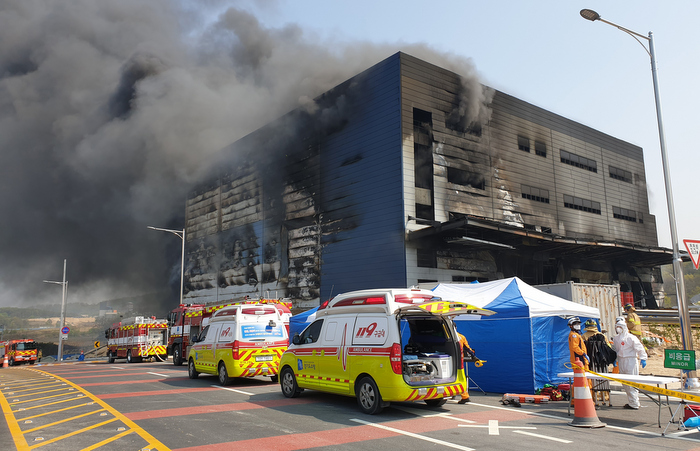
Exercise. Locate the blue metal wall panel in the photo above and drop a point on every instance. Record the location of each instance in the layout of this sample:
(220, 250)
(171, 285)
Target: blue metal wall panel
(361, 183)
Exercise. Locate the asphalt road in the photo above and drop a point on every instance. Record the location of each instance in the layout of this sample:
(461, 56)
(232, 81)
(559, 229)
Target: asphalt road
(90, 405)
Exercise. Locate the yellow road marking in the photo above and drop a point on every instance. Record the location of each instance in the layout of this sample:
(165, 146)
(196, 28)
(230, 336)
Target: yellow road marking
(54, 411)
(14, 403)
(39, 392)
(62, 421)
(154, 443)
(107, 440)
(71, 434)
(49, 404)
(12, 424)
(53, 384)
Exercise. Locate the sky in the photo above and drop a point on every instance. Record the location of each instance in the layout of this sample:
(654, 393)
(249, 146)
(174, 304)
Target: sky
(110, 110)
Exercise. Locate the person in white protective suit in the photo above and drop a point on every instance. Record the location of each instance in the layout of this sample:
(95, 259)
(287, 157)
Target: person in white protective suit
(629, 349)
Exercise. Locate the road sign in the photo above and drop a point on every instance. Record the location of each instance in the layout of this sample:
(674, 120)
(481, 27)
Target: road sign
(64, 336)
(684, 360)
(65, 330)
(693, 247)
(97, 344)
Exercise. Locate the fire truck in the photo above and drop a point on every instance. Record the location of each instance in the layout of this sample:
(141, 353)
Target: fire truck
(18, 351)
(137, 338)
(187, 321)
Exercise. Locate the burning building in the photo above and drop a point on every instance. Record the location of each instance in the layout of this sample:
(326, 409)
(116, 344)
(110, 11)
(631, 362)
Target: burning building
(410, 173)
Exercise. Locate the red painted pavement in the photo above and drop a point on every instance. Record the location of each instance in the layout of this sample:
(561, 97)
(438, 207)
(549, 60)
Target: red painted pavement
(155, 392)
(197, 410)
(141, 381)
(355, 434)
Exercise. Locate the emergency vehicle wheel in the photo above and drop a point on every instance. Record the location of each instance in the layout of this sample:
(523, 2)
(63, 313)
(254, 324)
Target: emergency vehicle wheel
(191, 372)
(290, 389)
(177, 356)
(223, 374)
(368, 397)
(130, 359)
(436, 402)
(110, 357)
(11, 362)
(31, 362)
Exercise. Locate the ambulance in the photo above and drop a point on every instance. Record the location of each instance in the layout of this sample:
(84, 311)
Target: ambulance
(381, 346)
(244, 340)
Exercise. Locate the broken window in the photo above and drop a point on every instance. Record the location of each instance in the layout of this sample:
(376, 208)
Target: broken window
(465, 178)
(427, 258)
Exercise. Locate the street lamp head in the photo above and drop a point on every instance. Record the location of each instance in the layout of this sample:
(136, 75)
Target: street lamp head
(589, 14)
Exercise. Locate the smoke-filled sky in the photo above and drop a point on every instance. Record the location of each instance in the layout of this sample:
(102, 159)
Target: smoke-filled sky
(109, 109)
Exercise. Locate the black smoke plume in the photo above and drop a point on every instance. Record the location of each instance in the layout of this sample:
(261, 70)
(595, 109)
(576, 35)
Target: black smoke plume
(111, 109)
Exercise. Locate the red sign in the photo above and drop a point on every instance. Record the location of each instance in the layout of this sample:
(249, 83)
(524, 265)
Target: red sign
(693, 247)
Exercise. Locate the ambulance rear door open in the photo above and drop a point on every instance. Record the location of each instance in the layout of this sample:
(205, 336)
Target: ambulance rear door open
(430, 347)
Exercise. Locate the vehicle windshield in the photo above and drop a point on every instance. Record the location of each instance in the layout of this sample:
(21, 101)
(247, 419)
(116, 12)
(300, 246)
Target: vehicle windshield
(26, 346)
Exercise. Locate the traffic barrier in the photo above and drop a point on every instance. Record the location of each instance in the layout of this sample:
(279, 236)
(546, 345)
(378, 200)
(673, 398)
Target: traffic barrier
(584, 408)
(5, 362)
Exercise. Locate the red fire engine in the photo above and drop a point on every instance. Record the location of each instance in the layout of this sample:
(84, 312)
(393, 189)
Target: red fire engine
(18, 351)
(188, 320)
(138, 338)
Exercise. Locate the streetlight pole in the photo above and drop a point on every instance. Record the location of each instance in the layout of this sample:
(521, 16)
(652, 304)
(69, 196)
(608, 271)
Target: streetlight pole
(683, 314)
(64, 284)
(181, 234)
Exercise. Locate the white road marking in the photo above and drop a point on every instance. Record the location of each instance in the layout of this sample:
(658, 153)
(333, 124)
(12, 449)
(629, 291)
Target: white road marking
(118, 367)
(499, 427)
(493, 427)
(233, 389)
(543, 436)
(410, 434)
(422, 413)
(158, 374)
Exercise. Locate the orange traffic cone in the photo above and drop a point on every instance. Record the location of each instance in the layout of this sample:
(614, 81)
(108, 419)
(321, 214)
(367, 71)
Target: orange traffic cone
(5, 363)
(584, 408)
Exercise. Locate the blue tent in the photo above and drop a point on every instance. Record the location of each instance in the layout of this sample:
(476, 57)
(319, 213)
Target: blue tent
(525, 344)
(298, 323)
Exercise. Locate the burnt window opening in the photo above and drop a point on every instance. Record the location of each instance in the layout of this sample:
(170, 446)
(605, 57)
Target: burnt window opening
(578, 161)
(523, 143)
(422, 150)
(427, 258)
(465, 178)
(536, 194)
(640, 219)
(425, 212)
(621, 174)
(427, 281)
(422, 118)
(624, 214)
(540, 149)
(578, 203)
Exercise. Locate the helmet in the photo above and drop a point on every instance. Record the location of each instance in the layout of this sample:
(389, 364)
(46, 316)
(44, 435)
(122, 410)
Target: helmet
(590, 324)
(574, 320)
(629, 307)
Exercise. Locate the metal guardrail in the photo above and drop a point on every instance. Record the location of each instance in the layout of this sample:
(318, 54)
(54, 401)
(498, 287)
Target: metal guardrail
(666, 316)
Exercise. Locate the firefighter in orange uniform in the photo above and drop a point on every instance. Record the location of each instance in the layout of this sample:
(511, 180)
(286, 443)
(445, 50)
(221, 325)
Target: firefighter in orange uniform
(466, 350)
(577, 347)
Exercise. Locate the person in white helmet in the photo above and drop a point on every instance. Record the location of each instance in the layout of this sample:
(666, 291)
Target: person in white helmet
(629, 349)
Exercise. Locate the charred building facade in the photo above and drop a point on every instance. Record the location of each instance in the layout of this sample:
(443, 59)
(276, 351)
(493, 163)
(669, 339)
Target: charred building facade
(408, 173)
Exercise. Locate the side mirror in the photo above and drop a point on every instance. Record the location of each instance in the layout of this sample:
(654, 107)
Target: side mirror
(296, 339)
(107, 333)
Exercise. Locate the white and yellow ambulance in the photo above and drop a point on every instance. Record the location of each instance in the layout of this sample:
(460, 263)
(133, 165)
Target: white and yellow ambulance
(381, 346)
(244, 340)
